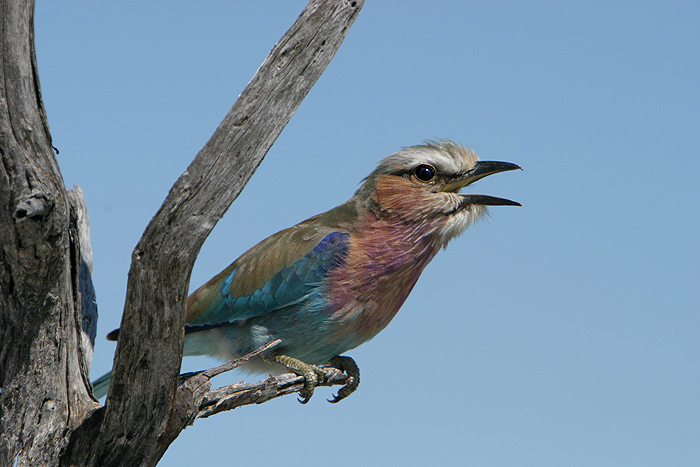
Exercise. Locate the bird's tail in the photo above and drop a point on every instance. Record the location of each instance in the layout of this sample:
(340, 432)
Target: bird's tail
(100, 385)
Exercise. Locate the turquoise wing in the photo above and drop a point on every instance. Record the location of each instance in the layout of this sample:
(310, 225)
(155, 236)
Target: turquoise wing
(225, 300)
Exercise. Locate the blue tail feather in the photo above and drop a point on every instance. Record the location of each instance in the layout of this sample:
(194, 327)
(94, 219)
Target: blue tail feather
(101, 385)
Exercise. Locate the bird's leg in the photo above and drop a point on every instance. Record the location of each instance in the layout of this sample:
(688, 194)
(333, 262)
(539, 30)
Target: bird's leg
(311, 373)
(351, 369)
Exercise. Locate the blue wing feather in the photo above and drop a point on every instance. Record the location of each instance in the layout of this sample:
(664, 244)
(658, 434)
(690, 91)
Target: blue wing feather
(289, 286)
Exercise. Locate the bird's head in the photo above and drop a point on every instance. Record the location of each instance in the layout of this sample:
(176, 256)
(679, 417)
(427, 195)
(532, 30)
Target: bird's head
(421, 184)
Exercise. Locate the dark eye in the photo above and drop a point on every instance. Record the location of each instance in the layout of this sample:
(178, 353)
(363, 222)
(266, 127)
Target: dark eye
(424, 173)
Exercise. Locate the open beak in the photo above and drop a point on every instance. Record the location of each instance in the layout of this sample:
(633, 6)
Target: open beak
(480, 170)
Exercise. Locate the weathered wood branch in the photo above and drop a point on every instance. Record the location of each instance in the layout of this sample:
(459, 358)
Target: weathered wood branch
(195, 399)
(136, 427)
(240, 394)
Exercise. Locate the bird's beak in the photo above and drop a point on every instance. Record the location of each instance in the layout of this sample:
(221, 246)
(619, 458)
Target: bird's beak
(480, 170)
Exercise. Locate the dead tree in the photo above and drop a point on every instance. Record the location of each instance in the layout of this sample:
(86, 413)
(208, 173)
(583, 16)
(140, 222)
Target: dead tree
(47, 413)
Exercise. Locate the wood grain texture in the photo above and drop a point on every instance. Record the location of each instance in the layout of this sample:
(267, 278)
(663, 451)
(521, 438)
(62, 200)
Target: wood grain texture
(45, 392)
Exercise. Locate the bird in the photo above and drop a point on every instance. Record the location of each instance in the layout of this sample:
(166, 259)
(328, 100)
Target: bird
(335, 280)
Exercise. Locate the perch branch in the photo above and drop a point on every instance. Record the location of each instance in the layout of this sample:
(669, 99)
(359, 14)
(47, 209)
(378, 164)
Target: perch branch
(195, 399)
(239, 394)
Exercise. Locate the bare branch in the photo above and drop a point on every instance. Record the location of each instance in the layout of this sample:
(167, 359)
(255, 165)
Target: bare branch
(138, 418)
(196, 399)
(232, 365)
(239, 394)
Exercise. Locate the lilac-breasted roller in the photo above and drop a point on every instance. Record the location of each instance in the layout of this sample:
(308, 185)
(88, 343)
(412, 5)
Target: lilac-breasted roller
(333, 281)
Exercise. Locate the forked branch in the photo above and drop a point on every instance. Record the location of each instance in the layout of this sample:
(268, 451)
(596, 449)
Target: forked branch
(196, 399)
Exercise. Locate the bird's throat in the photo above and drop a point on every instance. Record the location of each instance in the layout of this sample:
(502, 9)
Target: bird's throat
(384, 261)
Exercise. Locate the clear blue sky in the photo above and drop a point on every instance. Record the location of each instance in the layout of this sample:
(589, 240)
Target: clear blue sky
(565, 332)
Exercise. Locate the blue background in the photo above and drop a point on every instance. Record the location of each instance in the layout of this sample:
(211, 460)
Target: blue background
(565, 332)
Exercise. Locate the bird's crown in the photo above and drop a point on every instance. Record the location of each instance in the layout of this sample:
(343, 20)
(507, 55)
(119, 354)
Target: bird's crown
(432, 162)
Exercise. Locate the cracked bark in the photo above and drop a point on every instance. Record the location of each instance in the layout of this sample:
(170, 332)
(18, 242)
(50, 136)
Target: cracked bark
(47, 306)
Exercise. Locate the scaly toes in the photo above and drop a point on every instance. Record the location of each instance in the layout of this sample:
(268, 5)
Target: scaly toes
(312, 374)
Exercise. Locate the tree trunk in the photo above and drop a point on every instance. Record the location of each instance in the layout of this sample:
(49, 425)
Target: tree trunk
(47, 413)
(43, 371)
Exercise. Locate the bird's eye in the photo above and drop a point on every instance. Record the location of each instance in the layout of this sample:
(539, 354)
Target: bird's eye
(424, 173)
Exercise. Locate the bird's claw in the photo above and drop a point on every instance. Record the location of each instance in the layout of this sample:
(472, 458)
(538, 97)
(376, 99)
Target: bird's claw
(350, 368)
(313, 376)
(340, 396)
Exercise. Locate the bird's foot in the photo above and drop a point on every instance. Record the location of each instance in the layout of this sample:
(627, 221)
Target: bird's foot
(312, 374)
(347, 365)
